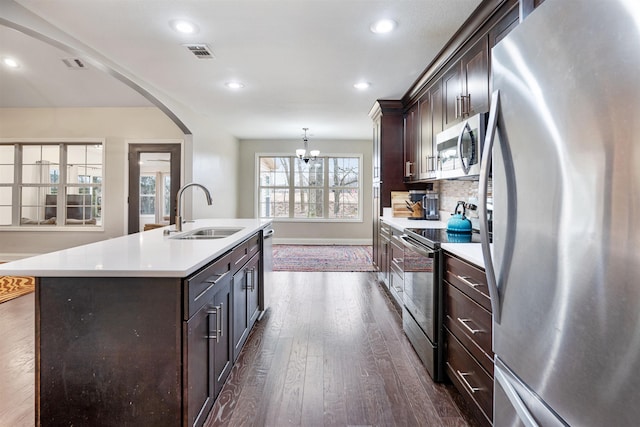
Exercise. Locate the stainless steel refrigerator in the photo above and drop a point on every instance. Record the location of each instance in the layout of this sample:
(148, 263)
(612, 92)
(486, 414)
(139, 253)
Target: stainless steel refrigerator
(564, 267)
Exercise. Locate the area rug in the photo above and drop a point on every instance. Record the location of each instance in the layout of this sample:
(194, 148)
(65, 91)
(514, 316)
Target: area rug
(14, 286)
(322, 258)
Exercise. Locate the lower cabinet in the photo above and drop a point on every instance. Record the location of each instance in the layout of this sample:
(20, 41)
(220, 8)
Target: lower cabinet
(245, 302)
(223, 306)
(468, 329)
(209, 353)
(396, 262)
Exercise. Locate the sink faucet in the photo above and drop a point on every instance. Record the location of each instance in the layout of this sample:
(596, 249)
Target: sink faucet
(179, 199)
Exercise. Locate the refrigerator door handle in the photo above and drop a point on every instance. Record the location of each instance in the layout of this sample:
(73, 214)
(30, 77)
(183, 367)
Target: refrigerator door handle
(521, 409)
(485, 169)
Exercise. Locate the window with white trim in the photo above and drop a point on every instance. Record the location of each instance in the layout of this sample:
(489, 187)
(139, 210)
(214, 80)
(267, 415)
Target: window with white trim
(51, 184)
(327, 188)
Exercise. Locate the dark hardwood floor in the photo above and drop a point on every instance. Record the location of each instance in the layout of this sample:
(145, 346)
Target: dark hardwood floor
(329, 351)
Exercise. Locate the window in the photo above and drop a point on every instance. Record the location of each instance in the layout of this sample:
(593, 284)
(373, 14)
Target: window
(327, 188)
(51, 184)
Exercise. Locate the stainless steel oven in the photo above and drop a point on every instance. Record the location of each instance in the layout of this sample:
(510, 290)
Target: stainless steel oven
(421, 314)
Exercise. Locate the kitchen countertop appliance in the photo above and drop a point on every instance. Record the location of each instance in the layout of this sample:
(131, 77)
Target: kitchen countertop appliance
(563, 273)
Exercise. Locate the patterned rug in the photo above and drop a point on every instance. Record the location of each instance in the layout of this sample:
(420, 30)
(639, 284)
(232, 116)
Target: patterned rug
(14, 286)
(322, 258)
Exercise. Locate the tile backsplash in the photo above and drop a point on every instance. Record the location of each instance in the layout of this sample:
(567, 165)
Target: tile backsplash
(452, 191)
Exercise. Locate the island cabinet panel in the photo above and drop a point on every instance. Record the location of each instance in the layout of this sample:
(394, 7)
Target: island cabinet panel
(108, 351)
(138, 351)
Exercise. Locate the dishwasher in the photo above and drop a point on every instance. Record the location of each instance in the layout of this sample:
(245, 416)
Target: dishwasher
(267, 267)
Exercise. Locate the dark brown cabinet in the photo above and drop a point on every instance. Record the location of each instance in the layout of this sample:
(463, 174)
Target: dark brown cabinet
(468, 330)
(387, 117)
(412, 143)
(466, 84)
(208, 341)
(142, 350)
(385, 254)
(430, 125)
(396, 267)
(245, 284)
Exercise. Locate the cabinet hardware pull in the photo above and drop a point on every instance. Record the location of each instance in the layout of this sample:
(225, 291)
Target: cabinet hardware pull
(216, 278)
(467, 327)
(407, 169)
(215, 310)
(463, 378)
(465, 280)
(457, 107)
(221, 323)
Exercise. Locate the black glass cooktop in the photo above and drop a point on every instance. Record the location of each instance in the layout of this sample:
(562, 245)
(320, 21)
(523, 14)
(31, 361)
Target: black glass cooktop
(433, 237)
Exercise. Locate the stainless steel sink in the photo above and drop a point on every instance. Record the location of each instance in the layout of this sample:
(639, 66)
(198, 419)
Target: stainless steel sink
(208, 233)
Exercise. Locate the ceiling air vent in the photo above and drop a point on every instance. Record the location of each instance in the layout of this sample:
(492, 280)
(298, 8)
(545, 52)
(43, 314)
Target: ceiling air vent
(201, 51)
(74, 63)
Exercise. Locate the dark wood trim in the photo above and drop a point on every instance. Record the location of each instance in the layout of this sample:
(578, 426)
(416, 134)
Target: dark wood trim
(386, 106)
(134, 171)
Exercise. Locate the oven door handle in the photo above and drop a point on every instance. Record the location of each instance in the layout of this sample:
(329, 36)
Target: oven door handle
(408, 242)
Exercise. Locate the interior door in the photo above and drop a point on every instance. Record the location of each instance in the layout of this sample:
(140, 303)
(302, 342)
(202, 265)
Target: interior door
(154, 179)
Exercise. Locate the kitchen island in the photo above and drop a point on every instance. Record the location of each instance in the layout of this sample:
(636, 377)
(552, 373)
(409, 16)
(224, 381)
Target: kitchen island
(142, 329)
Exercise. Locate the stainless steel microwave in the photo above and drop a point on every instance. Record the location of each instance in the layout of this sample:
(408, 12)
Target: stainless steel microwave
(459, 148)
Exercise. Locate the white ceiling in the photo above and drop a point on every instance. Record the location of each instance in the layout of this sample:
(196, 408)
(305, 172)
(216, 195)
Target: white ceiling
(298, 59)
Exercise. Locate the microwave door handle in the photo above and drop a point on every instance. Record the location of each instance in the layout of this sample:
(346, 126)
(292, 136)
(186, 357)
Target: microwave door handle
(485, 169)
(465, 167)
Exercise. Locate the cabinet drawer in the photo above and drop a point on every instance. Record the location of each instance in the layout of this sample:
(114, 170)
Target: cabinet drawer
(471, 324)
(469, 279)
(254, 244)
(200, 286)
(468, 376)
(244, 251)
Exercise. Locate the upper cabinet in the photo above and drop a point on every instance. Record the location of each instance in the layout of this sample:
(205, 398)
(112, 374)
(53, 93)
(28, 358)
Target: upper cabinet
(466, 84)
(411, 143)
(431, 115)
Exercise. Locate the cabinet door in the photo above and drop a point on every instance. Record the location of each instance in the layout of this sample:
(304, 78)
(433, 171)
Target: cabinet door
(376, 150)
(426, 132)
(437, 108)
(411, 146)
(200, 379)
(452, 89)
(223, 347)
(253, 284)
(475, 74)
(240, 325)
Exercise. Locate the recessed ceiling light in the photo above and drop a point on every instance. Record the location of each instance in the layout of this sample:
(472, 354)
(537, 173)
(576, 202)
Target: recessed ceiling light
(234, 85)
(184, 27)
(362, 85)
(383, 26)
(10, 62)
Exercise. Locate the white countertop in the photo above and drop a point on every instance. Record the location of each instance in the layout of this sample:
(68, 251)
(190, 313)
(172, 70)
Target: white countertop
(471, 252)
(146, 254)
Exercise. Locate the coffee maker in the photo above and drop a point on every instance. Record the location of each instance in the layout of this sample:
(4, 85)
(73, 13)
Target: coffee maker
(430, 205)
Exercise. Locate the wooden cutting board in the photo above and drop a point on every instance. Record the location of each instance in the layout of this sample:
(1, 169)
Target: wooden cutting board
(399, 201)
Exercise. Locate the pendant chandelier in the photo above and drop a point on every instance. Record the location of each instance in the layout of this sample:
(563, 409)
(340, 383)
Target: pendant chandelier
(304, 153)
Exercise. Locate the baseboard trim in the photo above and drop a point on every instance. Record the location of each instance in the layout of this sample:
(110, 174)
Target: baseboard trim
(315, 241)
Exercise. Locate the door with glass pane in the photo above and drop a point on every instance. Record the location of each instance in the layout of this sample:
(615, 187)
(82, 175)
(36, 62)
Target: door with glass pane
(154, 179)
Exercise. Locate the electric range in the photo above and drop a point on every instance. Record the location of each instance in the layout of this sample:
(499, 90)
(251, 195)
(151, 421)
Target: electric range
(434, 237)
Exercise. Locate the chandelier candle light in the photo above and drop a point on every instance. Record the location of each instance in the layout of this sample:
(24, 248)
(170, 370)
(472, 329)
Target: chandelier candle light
(302, 152)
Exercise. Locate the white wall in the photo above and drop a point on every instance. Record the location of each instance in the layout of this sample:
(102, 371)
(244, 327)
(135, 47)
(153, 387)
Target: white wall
(115, 125)
(306, 232)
